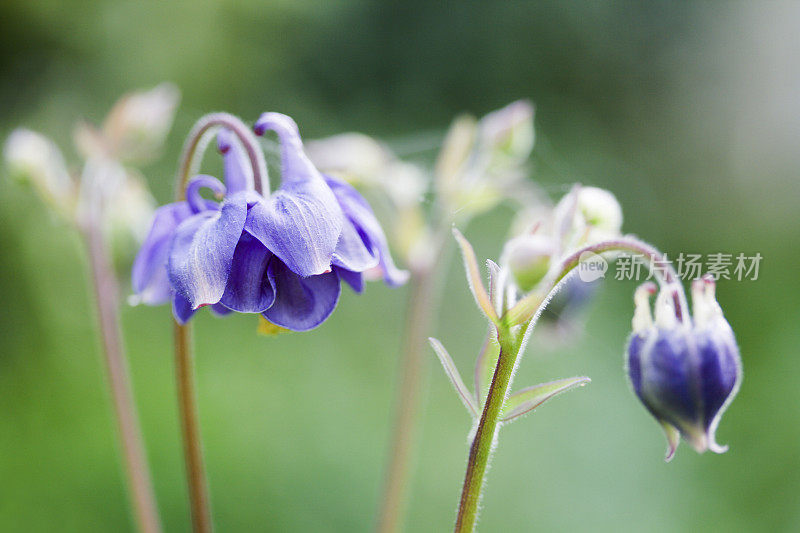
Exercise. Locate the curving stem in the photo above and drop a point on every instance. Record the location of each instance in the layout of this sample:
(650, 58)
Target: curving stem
(197, 141)
(184, 359)
(525, 309)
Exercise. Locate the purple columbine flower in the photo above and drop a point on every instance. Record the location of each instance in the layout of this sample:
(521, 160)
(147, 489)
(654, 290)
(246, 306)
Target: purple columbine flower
(686, 372)
(281, 255)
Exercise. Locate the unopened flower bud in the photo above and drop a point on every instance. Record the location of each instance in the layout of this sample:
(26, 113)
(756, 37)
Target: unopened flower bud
(528, 257)
(130, 212)
(135, 128)
(587, 215)
(507, 135)
(355, 157)
(685, 371)
(600, 209)
(35, 159)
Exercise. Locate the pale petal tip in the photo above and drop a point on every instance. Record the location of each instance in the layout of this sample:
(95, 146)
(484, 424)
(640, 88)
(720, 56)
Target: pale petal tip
(673, 439)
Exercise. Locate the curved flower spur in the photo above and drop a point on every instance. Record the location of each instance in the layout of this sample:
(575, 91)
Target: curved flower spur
(281, 254)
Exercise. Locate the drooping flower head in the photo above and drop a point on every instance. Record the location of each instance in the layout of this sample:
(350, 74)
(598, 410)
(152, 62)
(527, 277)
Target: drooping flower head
(281, 254)
(685, 370)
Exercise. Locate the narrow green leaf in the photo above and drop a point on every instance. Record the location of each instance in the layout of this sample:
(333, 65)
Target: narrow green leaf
(474, 277)
(532, 397)
(455, 378)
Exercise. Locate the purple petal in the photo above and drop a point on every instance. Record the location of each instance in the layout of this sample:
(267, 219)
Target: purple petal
(220, 310)
(181, 308)
(295, 164)
(248, 289)
(354, 279)
(300, 223)
(238, 172)
(149, 275)
(196, 202)
(202, 251)
(359, 213)
(301, 303)
(351, 252)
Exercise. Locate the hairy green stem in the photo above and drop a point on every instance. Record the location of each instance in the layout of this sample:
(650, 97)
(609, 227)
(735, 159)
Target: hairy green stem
(482, 444)
(525, 313)
(106, 289)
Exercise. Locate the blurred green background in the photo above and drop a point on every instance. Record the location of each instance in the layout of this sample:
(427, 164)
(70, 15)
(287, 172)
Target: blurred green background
(689, 113)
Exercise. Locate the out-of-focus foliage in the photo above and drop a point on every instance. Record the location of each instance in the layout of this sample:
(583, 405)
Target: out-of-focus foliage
(689, 114)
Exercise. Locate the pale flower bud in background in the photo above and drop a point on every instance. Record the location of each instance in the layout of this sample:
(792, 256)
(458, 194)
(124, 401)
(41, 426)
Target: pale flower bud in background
(454, 155)
(482, 162)
(130, 210)
(405, 184)
(35, 159)
(102, 179)
(352, 156)
(508, 134)
(135, 128)
(364, 162)
(116, 199)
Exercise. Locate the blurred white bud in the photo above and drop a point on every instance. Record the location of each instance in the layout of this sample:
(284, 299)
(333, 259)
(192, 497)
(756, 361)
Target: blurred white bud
(405, 183)
(507, 135)
(135, 128)
(587, 215)
(117, 199)
(481, 162)
(363, 161)
(102, 179)
(131, 209)
(352, 156)
(455, 153)
(600, 209)
(528, 257)
(35, 159)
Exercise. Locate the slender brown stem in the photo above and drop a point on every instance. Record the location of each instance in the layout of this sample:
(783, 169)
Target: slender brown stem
(404, 432)
(194, 146)
(482, 444)
(184, 369)
(190, 427)
(106, 289)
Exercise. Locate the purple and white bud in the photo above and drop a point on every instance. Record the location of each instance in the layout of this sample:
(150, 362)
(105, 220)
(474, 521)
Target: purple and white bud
(686, 371)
